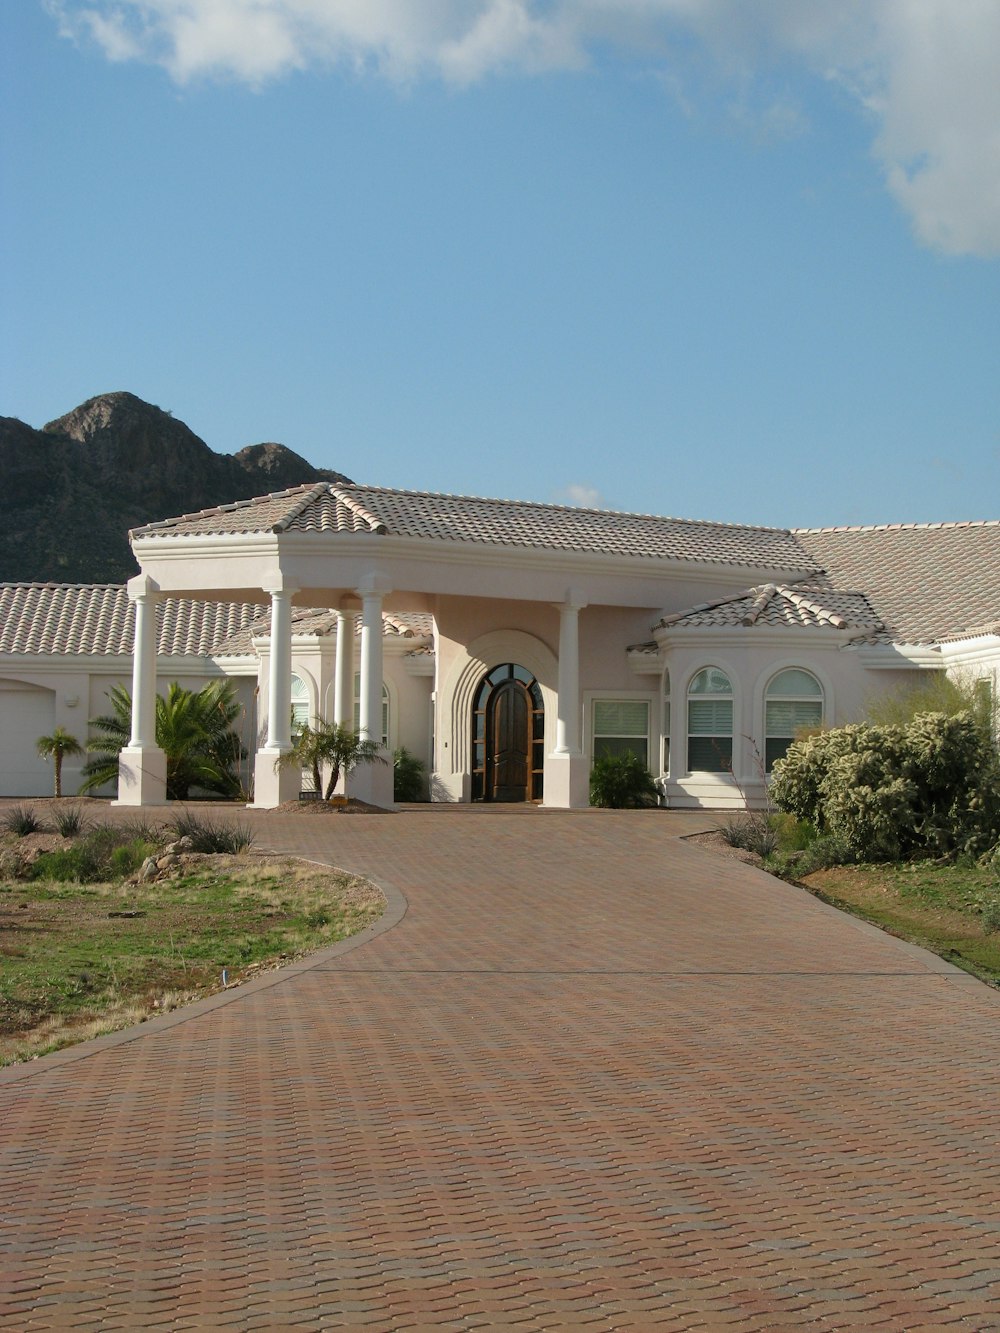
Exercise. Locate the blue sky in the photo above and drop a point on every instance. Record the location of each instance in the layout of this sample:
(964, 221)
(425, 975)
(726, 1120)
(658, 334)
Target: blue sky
(693, 257)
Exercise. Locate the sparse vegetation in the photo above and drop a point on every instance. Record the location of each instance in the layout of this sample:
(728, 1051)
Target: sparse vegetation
(21, 820)
(212, 835)
(84, 956)
(70, 821)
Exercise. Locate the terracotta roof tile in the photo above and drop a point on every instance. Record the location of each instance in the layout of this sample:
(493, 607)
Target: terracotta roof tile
(460, 518)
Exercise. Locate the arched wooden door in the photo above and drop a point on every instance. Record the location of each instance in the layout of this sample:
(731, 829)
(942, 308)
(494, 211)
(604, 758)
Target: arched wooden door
(508, 742)
(508, 736)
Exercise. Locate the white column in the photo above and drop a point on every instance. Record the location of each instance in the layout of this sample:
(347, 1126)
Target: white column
(372, 782)
(371, 665)
(142, 765)
(566, 770)
(274, 784)
(343, 683)
(568, 714)
(279, 685)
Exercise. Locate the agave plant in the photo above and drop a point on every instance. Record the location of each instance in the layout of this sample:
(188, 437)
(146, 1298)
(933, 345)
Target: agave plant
(193, 729)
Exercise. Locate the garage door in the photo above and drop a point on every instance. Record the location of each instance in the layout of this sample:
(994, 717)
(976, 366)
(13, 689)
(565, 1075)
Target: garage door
(26, 712)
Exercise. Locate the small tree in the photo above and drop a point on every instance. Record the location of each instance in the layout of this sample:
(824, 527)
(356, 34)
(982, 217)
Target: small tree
(56, 747)
(334, 747)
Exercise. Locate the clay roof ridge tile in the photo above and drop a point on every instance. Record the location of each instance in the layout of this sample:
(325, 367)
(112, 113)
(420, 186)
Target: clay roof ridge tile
(309, 494)
(374, 523)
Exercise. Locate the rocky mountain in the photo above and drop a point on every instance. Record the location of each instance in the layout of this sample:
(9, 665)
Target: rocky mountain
(70, 492)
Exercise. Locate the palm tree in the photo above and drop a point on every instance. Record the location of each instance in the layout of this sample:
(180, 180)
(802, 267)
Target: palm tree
(193, 729)
(57, 747)
(330, 744)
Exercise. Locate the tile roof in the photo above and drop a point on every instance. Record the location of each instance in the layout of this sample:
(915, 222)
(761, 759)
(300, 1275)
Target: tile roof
(926, 581)
(329, 507)
(777, 605)
(96, 618)
(322, 621)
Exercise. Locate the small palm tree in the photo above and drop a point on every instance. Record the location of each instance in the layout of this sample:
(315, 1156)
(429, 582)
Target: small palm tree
(329, 745)
(56, 747)
(193, 729)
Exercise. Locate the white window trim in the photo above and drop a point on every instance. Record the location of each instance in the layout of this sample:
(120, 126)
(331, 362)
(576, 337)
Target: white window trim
(648, 697)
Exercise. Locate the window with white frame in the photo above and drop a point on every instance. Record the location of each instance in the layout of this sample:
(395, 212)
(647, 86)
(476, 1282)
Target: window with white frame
(385, 709)
(300, 703)
(710, 722)
(666, 722)
(793, 702)
(621, 726)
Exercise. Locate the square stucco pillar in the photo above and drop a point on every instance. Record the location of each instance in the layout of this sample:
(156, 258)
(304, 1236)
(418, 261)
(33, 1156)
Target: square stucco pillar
(567, 777)
(273, 785)
(142, 765)
(372, 782)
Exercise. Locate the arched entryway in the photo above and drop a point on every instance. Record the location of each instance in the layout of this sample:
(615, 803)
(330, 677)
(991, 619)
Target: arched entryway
(508, 736)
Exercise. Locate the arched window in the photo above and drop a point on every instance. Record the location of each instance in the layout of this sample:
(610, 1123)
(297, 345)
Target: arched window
(666, 722)
(300, 703)
(710, 722)
(385, 709)
(793, 702)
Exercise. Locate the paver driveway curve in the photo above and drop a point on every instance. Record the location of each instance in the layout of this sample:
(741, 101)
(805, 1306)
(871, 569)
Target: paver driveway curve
(593, 1076)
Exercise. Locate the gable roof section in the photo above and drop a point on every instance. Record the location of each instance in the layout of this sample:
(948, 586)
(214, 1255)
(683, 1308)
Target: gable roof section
(779, 606)
(328, 507)
(926, 581)
(321, 621)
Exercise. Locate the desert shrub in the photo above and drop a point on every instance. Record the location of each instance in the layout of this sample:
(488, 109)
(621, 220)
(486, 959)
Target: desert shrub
(621, 781)
(990, 915)
(69, 822)
(752, 831)
(212, 836)
(104, 853)
(408, 776)
(929, 787)
(21, 820)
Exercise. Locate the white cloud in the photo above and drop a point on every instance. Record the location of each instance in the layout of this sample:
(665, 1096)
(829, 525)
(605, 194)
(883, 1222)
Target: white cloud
(924, 71)
(581, 495)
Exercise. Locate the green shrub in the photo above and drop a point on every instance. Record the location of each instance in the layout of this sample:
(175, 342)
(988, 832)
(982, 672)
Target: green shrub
(990, 916)
(621, 781)
(930, 787)
(212, 836)
(21, 820)
(408, 777)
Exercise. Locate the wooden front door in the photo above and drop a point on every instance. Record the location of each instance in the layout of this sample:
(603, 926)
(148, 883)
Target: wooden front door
(508, 731)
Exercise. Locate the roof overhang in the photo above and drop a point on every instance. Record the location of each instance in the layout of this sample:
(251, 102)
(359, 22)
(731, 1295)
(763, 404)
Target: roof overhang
(325, 565)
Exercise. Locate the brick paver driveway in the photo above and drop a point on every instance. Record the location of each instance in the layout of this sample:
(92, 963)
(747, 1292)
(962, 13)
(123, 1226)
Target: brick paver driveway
(591, 1075)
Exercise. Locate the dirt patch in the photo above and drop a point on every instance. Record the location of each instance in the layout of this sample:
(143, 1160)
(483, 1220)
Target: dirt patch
(352, 806)
(715, 842)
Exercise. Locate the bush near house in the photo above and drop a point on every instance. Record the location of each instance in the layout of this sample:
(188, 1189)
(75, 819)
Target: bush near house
(621, 782)
(929, 787)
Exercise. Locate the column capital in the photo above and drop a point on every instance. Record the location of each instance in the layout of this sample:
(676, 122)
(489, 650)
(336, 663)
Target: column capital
(575, 600)
(278, 585)
(373, 585)
(141, 586)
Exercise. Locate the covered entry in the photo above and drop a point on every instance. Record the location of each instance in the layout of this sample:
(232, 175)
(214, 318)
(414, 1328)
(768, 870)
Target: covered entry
(508, 736)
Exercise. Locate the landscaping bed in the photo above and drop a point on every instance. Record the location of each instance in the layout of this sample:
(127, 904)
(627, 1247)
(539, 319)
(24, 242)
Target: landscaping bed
(81, 958)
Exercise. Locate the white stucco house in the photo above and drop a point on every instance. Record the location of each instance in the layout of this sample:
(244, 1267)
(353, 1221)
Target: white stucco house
(503, 643)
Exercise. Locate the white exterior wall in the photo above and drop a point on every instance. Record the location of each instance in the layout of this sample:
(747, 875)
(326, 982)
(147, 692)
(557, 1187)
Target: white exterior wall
(39, 693)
